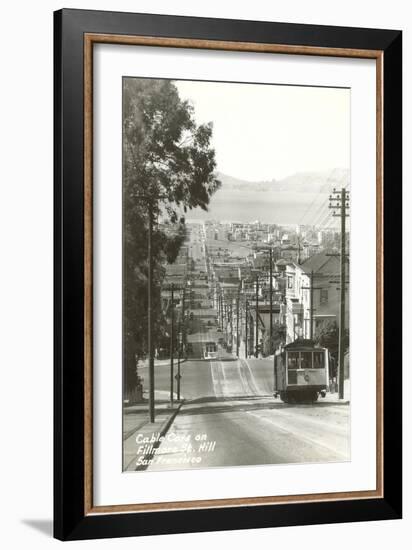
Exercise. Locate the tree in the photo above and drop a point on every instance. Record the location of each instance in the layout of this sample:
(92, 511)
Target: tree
(327, 336)
(168, 169)
(278, 336)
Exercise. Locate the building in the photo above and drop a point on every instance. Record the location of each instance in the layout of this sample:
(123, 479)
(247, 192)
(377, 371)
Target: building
(313, 296)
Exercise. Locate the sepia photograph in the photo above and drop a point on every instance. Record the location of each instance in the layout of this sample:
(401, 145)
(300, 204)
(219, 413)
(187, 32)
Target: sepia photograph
(227, 271)
(236, 274)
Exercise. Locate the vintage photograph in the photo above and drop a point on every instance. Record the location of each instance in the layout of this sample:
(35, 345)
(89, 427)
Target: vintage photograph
(236, 274)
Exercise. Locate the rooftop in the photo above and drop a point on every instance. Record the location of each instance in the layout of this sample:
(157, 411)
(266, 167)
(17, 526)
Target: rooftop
(321, 263)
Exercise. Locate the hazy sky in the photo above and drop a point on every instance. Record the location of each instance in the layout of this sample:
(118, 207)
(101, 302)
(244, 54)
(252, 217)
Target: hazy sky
(263, 132)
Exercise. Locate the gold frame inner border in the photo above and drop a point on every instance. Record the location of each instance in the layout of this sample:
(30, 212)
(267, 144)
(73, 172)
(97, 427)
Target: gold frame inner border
(93, 38)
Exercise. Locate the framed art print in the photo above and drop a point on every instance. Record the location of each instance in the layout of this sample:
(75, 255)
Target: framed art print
(227, 274)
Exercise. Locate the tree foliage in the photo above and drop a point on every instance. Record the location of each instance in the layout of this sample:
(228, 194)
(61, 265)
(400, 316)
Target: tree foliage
(168, 169)
(327, 335)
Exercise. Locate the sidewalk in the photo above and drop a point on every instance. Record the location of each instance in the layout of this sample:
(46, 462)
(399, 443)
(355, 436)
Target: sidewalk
(160, 363)
(334, 397)
(136, 422)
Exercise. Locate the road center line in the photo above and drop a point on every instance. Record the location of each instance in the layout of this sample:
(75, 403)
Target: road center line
(252, 377)
(217, 385)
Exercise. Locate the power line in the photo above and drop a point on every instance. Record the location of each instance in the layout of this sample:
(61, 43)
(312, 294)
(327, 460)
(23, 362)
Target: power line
(319, 212)
(309, 208)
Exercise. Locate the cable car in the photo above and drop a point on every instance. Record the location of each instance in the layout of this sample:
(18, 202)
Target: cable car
(301, 371)
(210, 350)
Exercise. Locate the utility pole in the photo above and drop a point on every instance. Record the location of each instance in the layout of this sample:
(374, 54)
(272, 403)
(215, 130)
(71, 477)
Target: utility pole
(251, 332)
(179, 356)
(237, 321)
(150, 344)
(231, 321)
(150, 317)
(257, 314)
(298, 250)
(341, 200)
(312, 309)
(246, 326)
(181, 344)
(172, 342)
(270, 302)
(311, 305)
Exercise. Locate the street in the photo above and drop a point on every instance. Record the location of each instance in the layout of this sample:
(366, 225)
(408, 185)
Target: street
(230, 402)
(229, 415)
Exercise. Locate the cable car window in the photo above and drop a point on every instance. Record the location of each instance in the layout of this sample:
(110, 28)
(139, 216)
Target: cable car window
(318, 359)
(293, 360)
(306, 360)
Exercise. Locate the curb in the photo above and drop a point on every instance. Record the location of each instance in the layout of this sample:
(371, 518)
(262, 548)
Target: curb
(163, 430)
(334, 403)
(166, 362)
(132, 431)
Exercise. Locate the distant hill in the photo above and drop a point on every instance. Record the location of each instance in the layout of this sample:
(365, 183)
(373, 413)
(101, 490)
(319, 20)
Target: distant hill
(292, 200)
(302, 182)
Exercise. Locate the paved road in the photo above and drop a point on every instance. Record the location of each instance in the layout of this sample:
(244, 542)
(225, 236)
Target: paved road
(230, 416)
(231, 402)
(228, 378)
(256, 430)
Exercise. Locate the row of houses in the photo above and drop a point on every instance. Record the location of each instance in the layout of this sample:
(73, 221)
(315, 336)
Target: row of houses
(305, 298)
(312, 295)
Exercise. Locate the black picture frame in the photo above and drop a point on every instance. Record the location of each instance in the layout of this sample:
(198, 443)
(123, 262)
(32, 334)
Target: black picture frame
(71, 522)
